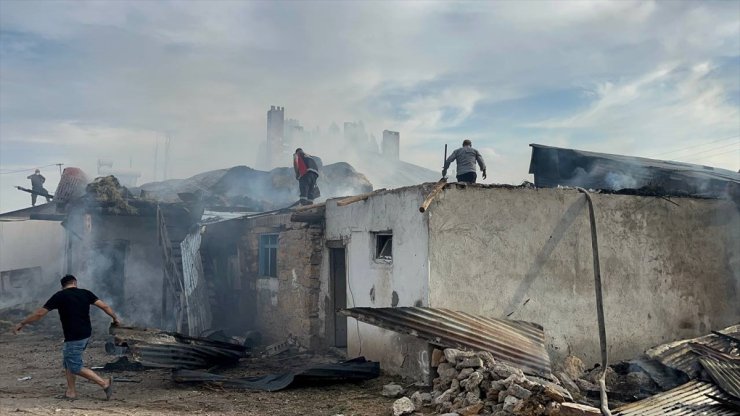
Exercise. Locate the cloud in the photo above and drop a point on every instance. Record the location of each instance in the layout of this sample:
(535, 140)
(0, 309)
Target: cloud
(82, 80)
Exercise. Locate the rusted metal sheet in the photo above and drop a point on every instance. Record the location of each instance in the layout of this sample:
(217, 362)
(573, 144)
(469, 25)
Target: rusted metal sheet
(725, 373)
(198, 309)
(689, 399)
(160, 349)
(518, 343)
(684, 355)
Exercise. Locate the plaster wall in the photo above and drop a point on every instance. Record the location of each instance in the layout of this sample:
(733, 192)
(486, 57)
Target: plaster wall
(380, 283)
(26, 244)
(669, 271)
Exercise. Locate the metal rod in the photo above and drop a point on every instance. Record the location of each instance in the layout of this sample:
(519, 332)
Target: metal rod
(599, 305)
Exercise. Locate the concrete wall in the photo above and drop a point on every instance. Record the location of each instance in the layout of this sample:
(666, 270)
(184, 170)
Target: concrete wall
(377, 283)
(26, 244)
(668, 270)
(287, 304)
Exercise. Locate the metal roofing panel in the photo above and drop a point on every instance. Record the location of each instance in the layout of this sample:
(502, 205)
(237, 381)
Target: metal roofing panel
(553, 166)
(518, 343)
(683, 355)
(689, 399)
(725, 374)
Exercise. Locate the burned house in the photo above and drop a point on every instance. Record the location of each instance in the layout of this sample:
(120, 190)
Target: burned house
(670, 268)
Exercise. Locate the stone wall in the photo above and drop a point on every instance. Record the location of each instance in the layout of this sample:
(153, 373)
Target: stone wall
(669, 270)
(287, 305)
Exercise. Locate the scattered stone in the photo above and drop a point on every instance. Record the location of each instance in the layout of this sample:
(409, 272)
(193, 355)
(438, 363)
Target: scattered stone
(487, 358)
(437, 357)
(553, 394)
(444, 397)
(510, 402)
(504, 371)
(471, 410)
(518, 391)
(392, 390)
(574, 409)
(470, 362)
(574, 367)
(421, 399)
(450, 414)
(453, 355)
(403, 406)
(474, 380)
(464, 373)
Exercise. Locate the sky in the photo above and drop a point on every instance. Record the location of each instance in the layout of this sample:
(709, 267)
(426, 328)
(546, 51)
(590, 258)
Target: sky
(85, 80)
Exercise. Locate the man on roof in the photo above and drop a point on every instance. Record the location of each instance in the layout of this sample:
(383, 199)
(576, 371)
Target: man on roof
(466, 158)
(307, 173)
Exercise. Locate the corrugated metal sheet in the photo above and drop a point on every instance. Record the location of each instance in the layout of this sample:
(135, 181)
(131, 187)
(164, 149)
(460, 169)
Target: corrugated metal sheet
(725, 374)
(689, 399)
(518, 343)
(681, 355)
(196, 296)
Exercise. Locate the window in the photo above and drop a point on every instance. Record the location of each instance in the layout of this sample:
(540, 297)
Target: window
(384, 246)
(268, 255)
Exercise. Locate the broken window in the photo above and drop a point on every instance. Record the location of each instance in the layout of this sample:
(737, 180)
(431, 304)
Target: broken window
(384, 246)
(268, 255)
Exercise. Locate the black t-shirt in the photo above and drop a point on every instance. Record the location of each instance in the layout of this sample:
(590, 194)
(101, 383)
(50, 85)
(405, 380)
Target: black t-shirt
(74, 312)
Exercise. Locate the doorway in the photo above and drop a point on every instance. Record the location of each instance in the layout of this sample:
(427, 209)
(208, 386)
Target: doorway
(338, 274)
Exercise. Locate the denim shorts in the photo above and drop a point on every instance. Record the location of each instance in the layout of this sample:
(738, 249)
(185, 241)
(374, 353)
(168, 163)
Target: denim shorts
(72, 355)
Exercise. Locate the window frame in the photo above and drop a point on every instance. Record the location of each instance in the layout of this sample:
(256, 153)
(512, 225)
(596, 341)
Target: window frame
(387, 236)
(267, 254)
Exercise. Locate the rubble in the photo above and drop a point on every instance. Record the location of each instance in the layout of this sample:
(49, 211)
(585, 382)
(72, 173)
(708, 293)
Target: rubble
(403, 406)
(392, 390)
(475, 383)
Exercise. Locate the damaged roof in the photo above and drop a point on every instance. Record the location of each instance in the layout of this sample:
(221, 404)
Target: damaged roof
(690, 399)
(518, 343)
(684, 355)
(553, 166)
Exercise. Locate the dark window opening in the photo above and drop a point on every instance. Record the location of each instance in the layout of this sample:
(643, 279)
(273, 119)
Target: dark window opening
(268, 255)
(384, 246)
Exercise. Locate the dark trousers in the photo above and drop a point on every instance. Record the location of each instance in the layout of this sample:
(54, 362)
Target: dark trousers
(307, 184)
(42, 191)
(469, 177)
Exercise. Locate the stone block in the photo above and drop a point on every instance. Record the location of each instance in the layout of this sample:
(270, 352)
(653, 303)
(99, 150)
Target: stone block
(518, 391)
(470, 362)
(403, 406)
(392, 390)
(573, 367)
(510, 402)
(464, 373)
(473, 409)
(452, 355)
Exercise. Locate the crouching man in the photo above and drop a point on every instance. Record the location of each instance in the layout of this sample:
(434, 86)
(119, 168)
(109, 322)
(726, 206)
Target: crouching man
(73, 305)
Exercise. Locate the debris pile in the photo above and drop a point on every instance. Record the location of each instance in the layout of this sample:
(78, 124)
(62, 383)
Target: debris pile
(160, 349)
(471, 383)
(109, 193)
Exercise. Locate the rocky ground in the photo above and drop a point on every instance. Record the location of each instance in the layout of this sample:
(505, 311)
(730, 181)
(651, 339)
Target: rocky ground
(37, 354)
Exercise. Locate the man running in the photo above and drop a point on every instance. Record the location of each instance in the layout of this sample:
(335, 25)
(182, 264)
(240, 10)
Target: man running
(73, 305)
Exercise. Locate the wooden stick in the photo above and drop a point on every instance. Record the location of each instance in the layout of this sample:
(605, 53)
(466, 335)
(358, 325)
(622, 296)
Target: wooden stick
(357, 198)
(437, 189)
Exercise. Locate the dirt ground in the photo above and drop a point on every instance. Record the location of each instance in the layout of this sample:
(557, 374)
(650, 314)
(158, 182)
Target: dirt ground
(36, 352)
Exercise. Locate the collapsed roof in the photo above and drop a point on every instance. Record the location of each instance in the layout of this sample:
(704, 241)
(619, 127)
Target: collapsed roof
(554, 166)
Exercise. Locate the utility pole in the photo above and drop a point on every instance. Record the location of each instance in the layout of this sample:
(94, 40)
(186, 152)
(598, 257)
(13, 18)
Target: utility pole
(60, 168)
(167, 144)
